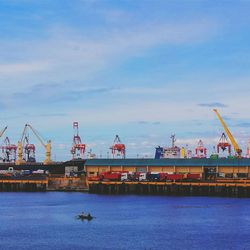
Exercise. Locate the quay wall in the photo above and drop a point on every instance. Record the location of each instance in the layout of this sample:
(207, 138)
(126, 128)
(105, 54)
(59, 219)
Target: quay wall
(224, 177)
(173, 189)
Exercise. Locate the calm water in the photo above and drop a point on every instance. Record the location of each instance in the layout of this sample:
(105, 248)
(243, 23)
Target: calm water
(46, 221)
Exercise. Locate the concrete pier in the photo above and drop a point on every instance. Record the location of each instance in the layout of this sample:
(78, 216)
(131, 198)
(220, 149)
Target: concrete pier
(13, 185)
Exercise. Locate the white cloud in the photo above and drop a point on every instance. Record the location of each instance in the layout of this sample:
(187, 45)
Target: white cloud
(23, 68)
(73, 54)
(67, 49)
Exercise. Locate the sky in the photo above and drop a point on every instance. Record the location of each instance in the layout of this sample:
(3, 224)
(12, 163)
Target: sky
(141, 69)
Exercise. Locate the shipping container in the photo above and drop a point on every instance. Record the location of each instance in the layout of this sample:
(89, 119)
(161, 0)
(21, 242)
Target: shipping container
(175, 177)
(193, 176)
(111, 176)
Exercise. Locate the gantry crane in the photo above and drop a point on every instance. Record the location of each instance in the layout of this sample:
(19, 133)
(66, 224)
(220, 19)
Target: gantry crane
(78, 148)
(5, 149)
(236, 147)
(118, 148)
(223, 144)
(200, 150)
(9, 151)
(29, 150)
(47, 146)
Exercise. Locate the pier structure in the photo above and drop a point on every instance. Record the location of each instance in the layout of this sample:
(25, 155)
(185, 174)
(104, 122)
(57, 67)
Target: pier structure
(222, 177)
(208, 168)
(228, 189)
(24, 184)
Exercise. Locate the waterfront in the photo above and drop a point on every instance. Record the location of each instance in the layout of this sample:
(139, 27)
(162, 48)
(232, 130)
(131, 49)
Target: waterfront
(47, 221)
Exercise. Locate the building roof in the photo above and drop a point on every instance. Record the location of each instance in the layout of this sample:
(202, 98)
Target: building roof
(168, 162)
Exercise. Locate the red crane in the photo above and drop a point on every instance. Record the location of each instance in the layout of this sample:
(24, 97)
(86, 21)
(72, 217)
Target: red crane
(29, 150)
(9, 151)
(118, 148)
(200, 150)
(78, 148)
(224, 144)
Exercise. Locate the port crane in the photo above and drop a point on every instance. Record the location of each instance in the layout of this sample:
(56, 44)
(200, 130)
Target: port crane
(78, 148)
(200, 150)
(224, 144)
(118, 148)
(9, 151)
(29, 150)
(47, 146)
(236, 147)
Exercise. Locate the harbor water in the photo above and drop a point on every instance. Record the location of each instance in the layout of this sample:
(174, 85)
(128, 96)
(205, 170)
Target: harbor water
(47, 221)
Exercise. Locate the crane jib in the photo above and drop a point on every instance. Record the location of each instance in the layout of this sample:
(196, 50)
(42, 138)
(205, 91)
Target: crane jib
(229, 134)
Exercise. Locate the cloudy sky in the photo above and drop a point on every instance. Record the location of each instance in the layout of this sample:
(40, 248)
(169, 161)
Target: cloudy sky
(140, 69)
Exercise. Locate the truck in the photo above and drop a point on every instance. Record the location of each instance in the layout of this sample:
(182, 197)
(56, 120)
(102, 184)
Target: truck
(142, 177)
(127, 176)
(156, 176)
(40, 171)
(26, 172)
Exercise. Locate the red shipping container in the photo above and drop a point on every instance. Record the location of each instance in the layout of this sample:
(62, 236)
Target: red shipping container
(163, 176)
(194, 176)
(175, 177)
(112, 176)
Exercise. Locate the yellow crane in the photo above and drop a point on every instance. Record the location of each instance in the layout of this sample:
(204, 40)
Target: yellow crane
(47, 147)
(20, 159)
(237, 149)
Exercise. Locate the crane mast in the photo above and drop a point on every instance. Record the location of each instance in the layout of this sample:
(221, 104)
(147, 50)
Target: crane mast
(20, 159)
(237, 149)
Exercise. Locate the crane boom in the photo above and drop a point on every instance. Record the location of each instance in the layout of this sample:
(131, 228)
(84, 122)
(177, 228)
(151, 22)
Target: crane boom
(36, 134)
(229, 134)
(46, 146)
(2, 132)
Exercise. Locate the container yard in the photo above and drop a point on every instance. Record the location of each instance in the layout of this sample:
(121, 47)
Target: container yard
(226, 177)
(174, 170)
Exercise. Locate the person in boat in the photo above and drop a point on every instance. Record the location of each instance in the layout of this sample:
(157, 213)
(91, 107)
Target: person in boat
(85, 216)
(82, 215)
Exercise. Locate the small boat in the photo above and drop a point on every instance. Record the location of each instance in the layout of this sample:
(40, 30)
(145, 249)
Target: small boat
(85, 217)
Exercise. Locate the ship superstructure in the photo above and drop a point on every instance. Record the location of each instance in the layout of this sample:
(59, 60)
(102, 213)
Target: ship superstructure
(173, 152)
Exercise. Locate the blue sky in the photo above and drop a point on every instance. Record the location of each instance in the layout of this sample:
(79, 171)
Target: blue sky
(140, 69)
